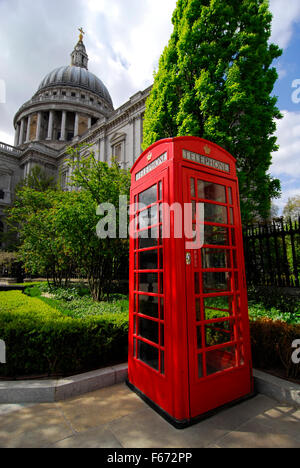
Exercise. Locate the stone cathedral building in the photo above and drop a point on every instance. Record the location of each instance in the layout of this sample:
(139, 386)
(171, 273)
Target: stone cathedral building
(71, 106)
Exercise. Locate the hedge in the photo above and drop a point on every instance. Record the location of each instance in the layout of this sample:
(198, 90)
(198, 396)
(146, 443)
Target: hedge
(40, 340)
(272, 345)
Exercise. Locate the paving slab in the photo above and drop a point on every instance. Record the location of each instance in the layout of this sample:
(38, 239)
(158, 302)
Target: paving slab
(100, 407)
(115, 417)
(96, 438)
(33, 427)
(255, 434)
(147, 429)
(10, 408)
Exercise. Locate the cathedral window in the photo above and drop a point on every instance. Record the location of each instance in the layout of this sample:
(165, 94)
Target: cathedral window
(1, 232)
(117, 152)
(63, 179)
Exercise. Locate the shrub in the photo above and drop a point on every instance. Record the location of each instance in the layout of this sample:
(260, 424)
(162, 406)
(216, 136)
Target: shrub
(33, 291)
(272, 345)
(271, 297)
(41, 340)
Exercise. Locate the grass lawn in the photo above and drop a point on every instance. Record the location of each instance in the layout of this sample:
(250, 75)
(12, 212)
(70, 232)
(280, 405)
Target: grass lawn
(76, 301)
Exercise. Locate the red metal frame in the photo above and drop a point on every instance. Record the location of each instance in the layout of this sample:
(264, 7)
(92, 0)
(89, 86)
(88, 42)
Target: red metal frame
(175, 335)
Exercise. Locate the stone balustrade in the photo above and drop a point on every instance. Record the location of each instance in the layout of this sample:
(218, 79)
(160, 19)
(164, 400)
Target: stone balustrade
(5, 148)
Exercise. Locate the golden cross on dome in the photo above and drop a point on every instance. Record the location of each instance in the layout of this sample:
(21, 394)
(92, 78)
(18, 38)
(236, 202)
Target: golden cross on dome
(81, 33)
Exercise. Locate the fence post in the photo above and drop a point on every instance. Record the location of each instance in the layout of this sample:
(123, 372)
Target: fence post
(295, 268)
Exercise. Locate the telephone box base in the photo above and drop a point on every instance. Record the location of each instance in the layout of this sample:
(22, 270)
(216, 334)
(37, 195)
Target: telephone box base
(183, 424)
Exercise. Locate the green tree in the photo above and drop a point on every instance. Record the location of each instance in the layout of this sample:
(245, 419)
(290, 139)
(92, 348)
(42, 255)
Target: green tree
(42, 247)
(215, 81)
(292, 208)
(57, 229)
(37, 180)
(100, 183)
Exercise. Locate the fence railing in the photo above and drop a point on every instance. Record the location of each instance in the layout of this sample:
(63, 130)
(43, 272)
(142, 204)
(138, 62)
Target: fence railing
(272, 253)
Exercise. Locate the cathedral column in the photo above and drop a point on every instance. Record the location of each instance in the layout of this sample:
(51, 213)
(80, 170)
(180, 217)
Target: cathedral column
(63, 126)
(76, 126)
(50, 125)
(139, 135)
(28, 129)
(89, 122)
(17, 134)
(38, 127)
(21, 136)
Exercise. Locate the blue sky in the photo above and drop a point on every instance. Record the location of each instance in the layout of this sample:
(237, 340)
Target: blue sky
(124, 40)
(286, 162)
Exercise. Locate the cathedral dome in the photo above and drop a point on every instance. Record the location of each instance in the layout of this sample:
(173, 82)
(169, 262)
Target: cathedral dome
(78, 77)
(68, 102)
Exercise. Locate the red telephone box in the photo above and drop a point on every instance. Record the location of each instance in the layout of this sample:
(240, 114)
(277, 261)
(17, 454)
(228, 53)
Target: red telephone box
(189, 341)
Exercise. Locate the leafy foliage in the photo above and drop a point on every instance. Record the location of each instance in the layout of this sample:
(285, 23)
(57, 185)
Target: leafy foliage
(77, 302)
(215, 81)
(58, 229)
(38, 180)
(273, 303)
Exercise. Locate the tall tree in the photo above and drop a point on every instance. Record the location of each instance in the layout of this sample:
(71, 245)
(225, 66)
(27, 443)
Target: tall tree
(215, 80)
(292, 208)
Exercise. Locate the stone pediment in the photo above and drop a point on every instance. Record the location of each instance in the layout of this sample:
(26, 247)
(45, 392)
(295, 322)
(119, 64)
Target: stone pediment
(117, 137)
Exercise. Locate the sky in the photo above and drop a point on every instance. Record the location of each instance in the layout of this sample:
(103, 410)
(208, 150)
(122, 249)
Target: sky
(124, 40)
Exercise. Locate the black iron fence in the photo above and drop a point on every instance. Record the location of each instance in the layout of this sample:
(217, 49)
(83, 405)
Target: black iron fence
(272, 253)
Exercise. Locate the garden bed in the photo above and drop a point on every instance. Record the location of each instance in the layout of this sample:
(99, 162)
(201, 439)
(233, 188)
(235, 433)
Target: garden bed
(63, 332)
(47, 338)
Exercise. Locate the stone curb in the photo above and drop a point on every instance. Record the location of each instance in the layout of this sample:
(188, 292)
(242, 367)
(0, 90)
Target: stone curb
(281, 390)
(49, 391)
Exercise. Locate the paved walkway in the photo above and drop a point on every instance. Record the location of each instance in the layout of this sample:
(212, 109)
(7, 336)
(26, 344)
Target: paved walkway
(114, 417)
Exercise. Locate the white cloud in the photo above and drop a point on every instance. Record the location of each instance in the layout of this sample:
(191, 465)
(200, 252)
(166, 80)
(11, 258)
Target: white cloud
(285, 15)
(128, 46)
(282, 73)
(7, 138)
(287, 159)
(124, 40)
